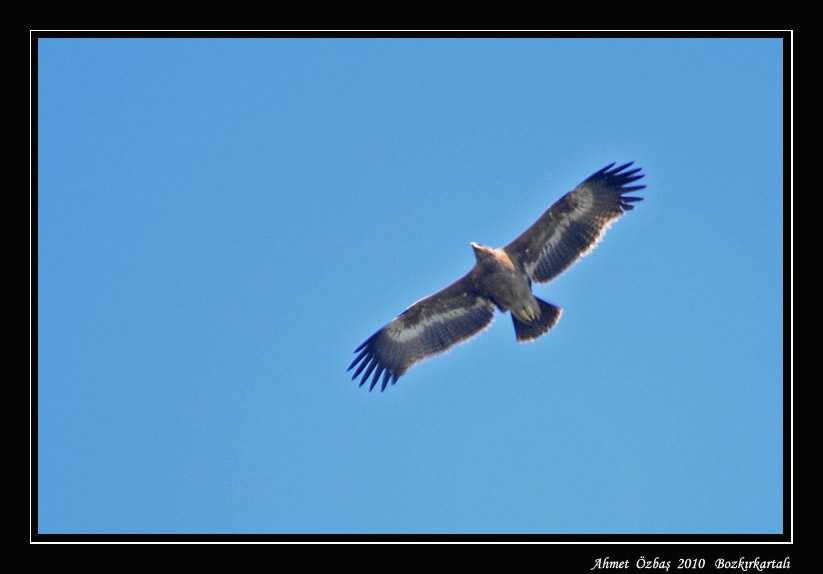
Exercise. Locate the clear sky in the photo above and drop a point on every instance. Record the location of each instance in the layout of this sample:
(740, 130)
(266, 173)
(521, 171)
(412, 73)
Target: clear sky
(220, 222)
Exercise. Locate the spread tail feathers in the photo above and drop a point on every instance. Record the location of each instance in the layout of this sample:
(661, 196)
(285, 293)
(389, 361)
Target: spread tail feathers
(549, 316)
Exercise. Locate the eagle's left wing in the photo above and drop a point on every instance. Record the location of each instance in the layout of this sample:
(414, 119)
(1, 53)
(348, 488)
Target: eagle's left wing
(575, 223)
(428, 327)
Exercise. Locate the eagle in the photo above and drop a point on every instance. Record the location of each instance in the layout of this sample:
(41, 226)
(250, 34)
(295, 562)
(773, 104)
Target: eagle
(502, 279)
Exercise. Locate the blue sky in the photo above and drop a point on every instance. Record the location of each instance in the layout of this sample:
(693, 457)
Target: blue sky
(220, 222)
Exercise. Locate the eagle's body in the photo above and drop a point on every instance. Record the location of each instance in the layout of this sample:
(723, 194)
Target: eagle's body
(505, 284)
(502, 279)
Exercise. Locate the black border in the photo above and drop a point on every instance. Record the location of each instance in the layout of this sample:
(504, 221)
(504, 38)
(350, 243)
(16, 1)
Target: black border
(584, 548)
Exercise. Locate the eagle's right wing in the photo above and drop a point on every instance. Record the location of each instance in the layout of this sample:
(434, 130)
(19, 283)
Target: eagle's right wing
(426, 328)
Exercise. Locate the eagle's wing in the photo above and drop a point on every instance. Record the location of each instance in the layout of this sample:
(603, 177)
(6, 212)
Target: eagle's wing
(428, 327)
(575, 223)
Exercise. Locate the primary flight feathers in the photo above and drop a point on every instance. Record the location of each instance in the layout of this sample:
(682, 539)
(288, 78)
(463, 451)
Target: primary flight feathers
(501, 278)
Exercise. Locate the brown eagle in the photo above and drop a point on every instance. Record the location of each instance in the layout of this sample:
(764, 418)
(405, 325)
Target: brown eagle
(502, 278)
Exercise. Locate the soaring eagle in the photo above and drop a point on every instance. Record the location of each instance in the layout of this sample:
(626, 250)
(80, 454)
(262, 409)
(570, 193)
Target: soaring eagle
(502, 278)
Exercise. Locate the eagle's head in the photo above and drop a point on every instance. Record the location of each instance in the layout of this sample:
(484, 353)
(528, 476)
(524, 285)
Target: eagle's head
(482, 251)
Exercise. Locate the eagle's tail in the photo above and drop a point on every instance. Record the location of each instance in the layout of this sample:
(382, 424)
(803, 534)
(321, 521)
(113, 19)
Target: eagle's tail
(549, 316)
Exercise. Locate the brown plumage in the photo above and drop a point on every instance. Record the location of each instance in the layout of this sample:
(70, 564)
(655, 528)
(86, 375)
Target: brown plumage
(501, 278)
